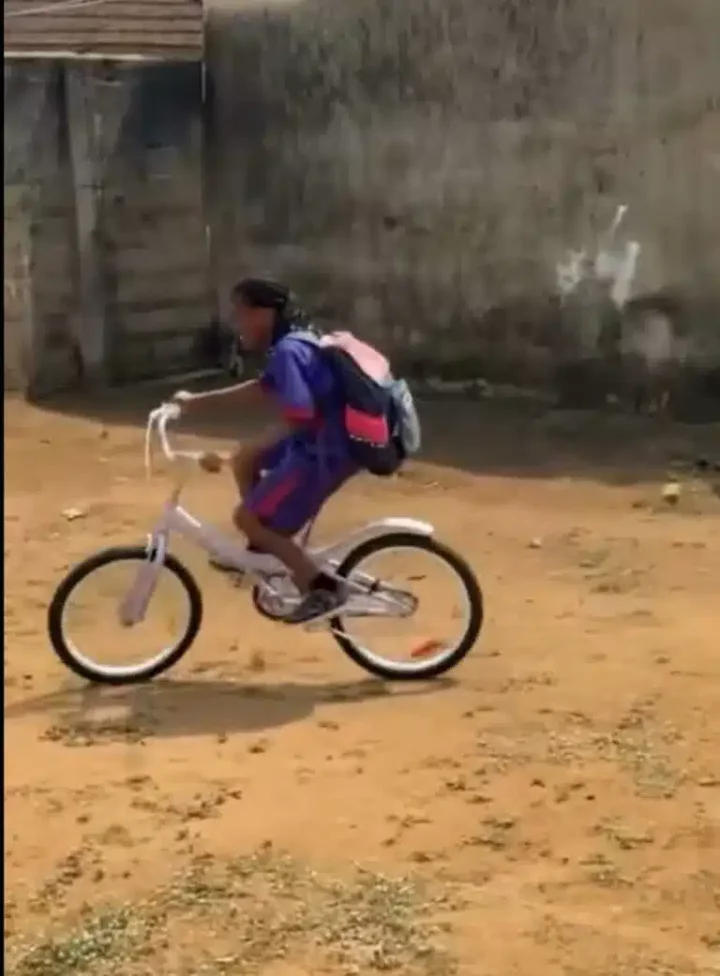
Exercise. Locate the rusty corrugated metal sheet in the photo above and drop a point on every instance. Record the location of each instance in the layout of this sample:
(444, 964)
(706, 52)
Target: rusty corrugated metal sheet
(165, 30)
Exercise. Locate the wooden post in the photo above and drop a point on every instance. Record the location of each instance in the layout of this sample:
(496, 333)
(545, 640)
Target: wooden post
(21, 341)
(211, 176)
(27, 105)
(82, 121)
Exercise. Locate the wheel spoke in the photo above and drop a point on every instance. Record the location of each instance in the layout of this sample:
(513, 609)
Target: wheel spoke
(95, 639)
(420, 615)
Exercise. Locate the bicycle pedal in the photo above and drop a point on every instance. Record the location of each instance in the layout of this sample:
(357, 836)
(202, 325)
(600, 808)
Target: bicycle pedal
(322, 623)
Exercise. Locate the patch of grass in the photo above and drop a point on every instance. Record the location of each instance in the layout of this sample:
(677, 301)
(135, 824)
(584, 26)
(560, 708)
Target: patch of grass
(622, 837)
(92, 942)
(602, 871)
(84, 733)
(237, 917)
(641, 745)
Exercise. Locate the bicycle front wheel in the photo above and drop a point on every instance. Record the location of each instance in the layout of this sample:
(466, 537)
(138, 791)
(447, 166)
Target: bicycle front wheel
(84, 621)
(442, 608)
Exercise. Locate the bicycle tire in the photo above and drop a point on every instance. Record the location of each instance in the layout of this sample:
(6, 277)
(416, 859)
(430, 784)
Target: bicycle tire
(80, 572)
(470, 583)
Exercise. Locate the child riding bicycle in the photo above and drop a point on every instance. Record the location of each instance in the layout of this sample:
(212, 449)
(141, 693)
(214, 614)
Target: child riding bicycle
(342, 411)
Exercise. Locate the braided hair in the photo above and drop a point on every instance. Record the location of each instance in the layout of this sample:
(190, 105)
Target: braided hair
(266, 293)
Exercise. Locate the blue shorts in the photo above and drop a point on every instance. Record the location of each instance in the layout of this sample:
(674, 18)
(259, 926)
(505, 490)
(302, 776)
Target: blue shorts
(295, 486)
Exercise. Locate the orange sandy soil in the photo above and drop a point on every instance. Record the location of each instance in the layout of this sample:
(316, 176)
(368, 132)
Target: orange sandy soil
(553, 809)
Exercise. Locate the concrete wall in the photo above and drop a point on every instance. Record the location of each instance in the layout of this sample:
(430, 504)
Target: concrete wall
(415, 169)
(106, 260)
(40, 273)
(418, 168)
(158, 290)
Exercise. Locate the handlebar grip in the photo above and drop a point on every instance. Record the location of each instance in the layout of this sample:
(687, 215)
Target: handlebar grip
(158, 421)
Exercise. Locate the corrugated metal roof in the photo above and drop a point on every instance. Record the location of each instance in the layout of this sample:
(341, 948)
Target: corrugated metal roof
(164, 30)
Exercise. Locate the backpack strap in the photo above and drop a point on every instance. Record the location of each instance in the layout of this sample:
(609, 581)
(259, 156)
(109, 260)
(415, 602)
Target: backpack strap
(304, 335)
(371, 362)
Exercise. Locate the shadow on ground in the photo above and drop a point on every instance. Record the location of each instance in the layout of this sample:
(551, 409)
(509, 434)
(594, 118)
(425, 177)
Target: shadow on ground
(507, 437)
(165, 709)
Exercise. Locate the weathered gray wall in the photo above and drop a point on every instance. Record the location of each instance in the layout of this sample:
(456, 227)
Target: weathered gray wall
(40, 280)
(106, 260)
(151, 218)
(417, 168)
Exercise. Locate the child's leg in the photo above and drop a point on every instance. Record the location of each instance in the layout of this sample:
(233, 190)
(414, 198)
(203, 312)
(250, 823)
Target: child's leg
(293, 492)
(252, 458)
(278, 507)
(249, 462)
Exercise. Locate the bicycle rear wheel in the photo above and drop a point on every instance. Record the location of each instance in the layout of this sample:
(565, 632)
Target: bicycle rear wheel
(429, 578)
(97, 615)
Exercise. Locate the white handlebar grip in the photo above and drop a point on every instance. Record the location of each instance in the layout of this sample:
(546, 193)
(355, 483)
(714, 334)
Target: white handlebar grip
(158, 419)
(181, 395)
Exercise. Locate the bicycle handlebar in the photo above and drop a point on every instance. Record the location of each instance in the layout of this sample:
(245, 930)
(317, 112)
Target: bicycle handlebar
(158, 420)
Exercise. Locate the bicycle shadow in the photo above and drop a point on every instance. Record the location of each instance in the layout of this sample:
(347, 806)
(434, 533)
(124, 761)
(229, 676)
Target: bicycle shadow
(184, 708)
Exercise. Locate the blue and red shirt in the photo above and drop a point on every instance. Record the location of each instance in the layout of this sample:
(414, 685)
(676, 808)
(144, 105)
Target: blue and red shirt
(302, 383)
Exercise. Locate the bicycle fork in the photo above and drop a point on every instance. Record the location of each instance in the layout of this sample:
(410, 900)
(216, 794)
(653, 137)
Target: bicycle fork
(134, 604)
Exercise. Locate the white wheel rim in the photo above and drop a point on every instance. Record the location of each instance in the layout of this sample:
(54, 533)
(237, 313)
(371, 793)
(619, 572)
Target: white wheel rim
(426, 662)
(127, 671)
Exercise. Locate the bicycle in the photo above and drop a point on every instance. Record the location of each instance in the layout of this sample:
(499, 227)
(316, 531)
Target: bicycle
(273, 592)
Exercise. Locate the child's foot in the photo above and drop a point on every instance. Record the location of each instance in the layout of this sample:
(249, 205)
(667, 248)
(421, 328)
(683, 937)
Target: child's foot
(323, 600)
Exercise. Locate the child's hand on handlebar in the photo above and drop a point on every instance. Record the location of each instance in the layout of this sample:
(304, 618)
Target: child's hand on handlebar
(211, 462)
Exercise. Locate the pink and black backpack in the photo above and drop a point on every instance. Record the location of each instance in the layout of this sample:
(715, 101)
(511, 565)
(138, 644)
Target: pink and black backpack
(380, 417)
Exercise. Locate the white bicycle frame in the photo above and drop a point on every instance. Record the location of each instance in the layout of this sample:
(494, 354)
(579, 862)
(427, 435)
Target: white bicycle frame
(263, 567)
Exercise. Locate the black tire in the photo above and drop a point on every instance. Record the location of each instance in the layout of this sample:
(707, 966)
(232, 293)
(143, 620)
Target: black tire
(83, 570)
(433, 669)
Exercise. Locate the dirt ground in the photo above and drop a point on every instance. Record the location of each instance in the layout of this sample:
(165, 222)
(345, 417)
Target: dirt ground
(553, 809)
